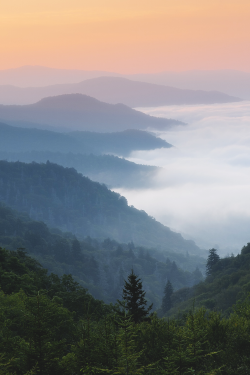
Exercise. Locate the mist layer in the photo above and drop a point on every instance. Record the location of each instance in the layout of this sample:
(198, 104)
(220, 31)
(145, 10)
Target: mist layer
(204, 189)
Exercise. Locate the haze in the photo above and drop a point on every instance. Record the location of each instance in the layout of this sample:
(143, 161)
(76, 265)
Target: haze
(204, 190)
(126, 36)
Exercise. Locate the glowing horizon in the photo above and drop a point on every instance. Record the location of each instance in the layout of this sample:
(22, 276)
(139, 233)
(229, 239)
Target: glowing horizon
(126, 37)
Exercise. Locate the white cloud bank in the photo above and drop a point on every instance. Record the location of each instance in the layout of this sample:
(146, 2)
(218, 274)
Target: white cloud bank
(203, 191)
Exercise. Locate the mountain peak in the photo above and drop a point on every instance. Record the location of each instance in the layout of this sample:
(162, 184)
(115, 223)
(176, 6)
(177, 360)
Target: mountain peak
(69, 101)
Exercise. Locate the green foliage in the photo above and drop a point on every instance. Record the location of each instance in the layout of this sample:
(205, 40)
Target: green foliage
(19, 271)
(134, 297)
(212, 260)
(228, 283)
(48, 331)
(128, 357)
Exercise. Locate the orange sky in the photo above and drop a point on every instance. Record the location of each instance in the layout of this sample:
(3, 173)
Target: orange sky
(126, 36)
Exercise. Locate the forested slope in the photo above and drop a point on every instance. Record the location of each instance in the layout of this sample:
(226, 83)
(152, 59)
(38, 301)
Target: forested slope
(63, 198)
(108, 169)
(99, 266)
(50, 325)
(228, 281)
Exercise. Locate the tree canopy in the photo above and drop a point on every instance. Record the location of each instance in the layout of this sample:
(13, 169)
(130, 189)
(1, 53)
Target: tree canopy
(134, 297)
(212, 259)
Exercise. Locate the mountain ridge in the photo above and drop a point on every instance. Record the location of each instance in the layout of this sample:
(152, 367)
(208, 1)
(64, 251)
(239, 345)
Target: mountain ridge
(111, 170)
(63, 198)
(18, 139)
(81, 112)
(116, 90)
(229, 81)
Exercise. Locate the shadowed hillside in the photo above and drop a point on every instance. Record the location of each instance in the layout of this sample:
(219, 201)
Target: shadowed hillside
(81, 112)
(227, 282)
(16, 139)
(99, 266)
(108, 169)
(63, 198)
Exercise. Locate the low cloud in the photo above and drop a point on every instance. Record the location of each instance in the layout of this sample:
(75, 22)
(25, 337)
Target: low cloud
(203, 190)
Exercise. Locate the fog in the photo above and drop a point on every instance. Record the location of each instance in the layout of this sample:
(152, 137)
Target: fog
(203, 190)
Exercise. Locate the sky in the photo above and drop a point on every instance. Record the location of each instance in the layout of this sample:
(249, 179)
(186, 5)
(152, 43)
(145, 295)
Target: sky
(126, 36)
(203, 191)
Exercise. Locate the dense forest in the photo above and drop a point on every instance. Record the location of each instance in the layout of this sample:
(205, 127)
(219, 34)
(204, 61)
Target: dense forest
(51, 325)
(99, 266)
(227, 282)
(108, 169)
(65, 199)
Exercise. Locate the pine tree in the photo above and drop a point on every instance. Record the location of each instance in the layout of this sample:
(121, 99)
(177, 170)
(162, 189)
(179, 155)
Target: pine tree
(166, 300)
(134, 297)
(212, 259)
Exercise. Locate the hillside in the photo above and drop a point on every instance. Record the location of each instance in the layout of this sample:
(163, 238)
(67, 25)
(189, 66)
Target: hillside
(16, 139)
(99, 266)
(115, 90)
(108, 169)
(63, 198)
(228, 283)
(81, 112)
(20, 271)
(51, 325)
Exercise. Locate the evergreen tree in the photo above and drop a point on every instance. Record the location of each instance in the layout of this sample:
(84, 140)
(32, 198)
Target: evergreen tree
(134, 297)
(166, 300)
(212, 259)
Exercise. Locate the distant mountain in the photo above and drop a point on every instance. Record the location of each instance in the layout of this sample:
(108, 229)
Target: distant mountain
(115, 90)
(63, 198)
(81, 112)
(16, 139)
(231, 82)
(108, 169)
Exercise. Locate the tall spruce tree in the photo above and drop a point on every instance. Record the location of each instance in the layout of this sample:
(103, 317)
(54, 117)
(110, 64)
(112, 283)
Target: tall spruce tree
(212, 259)
(134, 297)
(166, 300)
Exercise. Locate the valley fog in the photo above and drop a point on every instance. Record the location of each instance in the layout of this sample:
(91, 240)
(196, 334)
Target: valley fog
(203, 190)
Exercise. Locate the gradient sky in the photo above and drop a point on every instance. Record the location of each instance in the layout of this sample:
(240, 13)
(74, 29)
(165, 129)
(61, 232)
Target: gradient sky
(126, 36)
